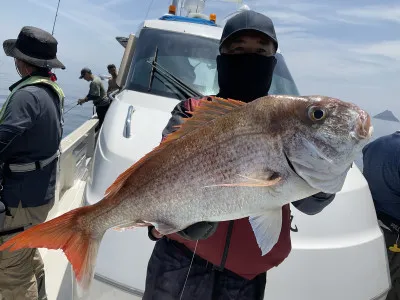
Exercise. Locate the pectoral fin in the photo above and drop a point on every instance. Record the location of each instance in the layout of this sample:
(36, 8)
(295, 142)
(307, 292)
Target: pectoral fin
(131, 225)
(267, 228)
(253, 181)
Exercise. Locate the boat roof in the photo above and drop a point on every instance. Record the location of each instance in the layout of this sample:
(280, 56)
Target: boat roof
(195, 26)
(204, 30)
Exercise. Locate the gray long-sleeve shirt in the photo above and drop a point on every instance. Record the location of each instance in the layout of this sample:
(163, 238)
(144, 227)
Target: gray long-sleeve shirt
(97, 93)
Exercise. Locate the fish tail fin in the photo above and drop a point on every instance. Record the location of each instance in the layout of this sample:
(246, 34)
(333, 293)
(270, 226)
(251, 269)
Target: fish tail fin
(69, 232)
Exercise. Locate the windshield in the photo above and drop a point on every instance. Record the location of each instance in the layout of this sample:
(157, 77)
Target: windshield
(282, 81)
(188, 57)
(193, 60)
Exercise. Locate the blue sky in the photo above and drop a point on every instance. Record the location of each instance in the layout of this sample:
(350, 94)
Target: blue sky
(345, 49)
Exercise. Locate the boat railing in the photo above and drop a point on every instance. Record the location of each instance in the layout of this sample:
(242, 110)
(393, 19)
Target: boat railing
(77, 149)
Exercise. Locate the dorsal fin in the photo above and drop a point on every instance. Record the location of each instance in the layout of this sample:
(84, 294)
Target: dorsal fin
(205, 112)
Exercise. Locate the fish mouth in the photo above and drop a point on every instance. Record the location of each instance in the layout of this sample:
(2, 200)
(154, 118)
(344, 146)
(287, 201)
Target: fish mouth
(363, 128)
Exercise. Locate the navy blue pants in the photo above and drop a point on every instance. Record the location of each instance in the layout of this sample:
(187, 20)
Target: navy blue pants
(101, 114)
(169, 266)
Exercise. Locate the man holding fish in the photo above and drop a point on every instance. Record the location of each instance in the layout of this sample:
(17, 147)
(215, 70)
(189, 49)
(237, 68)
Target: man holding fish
(231, 160)
(227, 256)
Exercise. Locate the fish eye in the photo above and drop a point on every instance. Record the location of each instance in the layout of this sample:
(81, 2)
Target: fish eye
(316, 113)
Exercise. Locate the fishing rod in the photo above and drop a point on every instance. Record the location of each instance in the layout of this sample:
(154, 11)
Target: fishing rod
(55, 17)
(13, 230)
(70, 109)
(52, 33)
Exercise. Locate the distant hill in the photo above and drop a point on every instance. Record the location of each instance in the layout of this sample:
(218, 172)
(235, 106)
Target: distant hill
(387, 115)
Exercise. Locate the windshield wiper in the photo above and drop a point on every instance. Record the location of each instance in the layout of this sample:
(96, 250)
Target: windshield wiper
(162, 78)
(176, 82)
(191, 91)
(173, 88)
(153, 67)
(152, 75)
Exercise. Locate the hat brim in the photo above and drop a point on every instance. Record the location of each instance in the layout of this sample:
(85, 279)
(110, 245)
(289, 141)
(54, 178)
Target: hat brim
(237, 32)
(12, 51)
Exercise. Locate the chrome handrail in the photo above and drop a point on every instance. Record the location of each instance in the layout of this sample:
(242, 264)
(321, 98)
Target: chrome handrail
(127, 127)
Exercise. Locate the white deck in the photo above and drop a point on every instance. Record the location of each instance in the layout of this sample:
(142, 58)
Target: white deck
(75, 161)
(105, 291)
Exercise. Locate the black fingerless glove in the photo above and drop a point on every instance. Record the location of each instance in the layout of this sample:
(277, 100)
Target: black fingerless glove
(197, 231)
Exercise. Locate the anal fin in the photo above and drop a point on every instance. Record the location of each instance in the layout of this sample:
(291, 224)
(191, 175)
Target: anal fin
(267, 228)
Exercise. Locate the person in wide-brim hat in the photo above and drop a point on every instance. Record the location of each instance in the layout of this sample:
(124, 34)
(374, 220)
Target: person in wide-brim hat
(31, 127)
(34, 46)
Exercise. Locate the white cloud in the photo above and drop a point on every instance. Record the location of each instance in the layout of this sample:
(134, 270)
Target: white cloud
(88, 16)
(288, 29)
(388, 49)
(329, 58)
(304, 7)
(112, 3)
(384, 12)
(288, 17)
(85, 33)
(360, 69)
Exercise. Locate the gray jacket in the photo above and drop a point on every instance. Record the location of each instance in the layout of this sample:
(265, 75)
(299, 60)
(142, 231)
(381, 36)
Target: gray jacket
(31, 131)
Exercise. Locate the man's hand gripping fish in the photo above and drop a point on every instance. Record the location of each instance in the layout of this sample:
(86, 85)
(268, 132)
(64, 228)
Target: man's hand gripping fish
(230, 160)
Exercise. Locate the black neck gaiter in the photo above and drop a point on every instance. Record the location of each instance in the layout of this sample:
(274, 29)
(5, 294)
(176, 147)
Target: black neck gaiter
(244, 77)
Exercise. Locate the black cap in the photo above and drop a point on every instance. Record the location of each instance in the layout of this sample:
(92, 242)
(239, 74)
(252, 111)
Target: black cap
(249, 20)
(84, 71)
